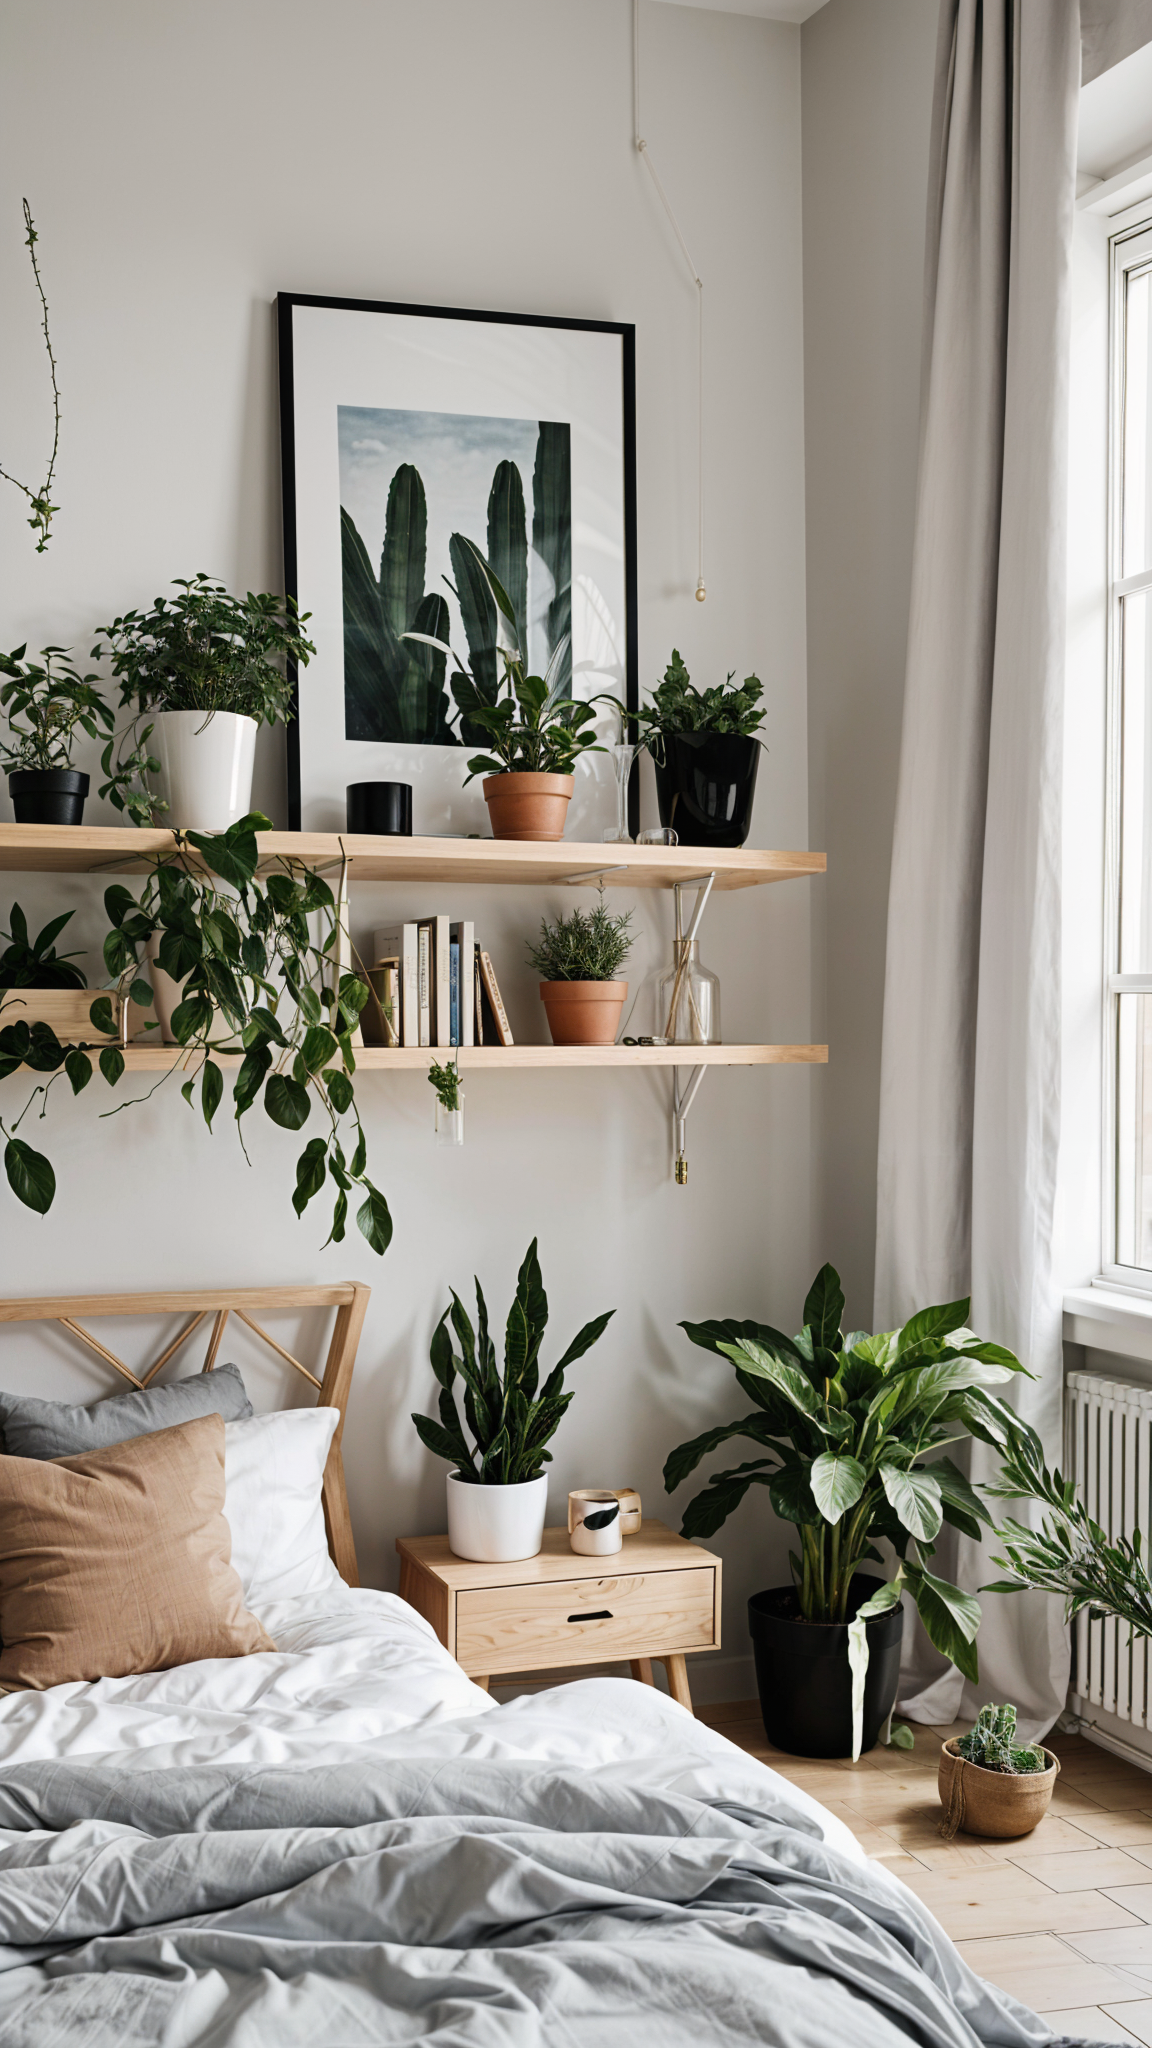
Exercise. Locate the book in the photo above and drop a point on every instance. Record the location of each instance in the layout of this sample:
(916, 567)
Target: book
(380, 1017)
(477, 999)
(463, 937)
(425, 992)
(454, 991)
(442, 967)
(503, 1030)
(398, 942)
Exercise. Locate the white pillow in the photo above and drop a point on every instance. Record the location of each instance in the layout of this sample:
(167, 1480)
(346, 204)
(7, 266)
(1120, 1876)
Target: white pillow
(273, 1466)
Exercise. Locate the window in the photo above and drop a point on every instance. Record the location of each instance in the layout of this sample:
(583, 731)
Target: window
(1128, 1022)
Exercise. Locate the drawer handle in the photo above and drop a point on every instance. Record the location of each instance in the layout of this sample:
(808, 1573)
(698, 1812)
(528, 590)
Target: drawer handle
(601, 1614)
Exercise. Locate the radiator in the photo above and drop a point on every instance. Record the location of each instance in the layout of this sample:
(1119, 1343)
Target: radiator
(1108, 1451)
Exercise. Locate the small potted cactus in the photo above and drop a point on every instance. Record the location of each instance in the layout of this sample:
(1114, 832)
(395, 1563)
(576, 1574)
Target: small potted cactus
(989, 1785)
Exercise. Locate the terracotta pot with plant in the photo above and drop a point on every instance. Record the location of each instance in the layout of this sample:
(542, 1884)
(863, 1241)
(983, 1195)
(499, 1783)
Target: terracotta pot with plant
(497, 1487)
(578, 959)
(990, 1786)
(534, 728)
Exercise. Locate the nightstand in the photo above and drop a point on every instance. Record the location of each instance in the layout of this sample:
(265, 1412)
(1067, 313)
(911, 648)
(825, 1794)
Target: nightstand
(657, 1598)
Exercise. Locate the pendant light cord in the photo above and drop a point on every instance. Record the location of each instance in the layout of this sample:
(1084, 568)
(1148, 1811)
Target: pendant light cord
(646, 158)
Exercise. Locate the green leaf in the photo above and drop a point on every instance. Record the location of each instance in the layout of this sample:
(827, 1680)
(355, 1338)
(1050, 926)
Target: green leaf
(930, 1324)
(318, 1047)
(30, 1176)
(373, 1220)
(339, 1219)
(583, 1341)
(340, 1090)
(711, 1509)
(111, 1064)
(881, 1601)
(950, 1617)
(100, 1015)
(837, 1483)
(211, 1090)
(233, 855)
(915, 1497)
(901, 1736)
(249, 1080)
(824, 1308)
(685, 1458)
(792, 1498)
(286, 1102)
(310, 1173)
(956, 1490)
(78, 1068)
(795, 1387)
(436, 1439)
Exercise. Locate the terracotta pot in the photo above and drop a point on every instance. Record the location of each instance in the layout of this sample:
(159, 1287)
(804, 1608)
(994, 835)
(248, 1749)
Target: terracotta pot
(528, 806)
(1003, 1804)
(583, 1012)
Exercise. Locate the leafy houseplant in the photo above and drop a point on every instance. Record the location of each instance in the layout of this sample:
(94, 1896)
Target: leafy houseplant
(28, 962)
(251, 969)
(578, 959)
(497, 1487)
(843, 1427)
(47, 702)
(206, 668)
(989, 1784)
(705, 753)
(445, 1081)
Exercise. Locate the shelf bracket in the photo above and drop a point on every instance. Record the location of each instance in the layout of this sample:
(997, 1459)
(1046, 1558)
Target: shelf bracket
(591, 875)
(682, 1100)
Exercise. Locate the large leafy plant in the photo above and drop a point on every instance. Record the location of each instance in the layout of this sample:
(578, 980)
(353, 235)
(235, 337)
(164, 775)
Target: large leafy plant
(46, 702)
(510, 1417)
(677, 706)
(253, 972)
(851, 1433)
(28, 962)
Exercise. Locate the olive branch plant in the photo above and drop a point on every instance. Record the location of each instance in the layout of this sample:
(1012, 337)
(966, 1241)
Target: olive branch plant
(41, 500)
(252, 972)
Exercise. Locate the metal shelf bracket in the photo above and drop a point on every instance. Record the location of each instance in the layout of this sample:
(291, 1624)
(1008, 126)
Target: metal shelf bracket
(682, 1100)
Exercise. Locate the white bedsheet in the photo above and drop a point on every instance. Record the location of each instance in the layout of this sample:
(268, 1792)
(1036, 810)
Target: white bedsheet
(357, 1670)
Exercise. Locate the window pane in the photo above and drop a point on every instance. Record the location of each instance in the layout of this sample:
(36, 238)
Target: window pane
(1136, 786)
(1134, 1131)
(1137, 425)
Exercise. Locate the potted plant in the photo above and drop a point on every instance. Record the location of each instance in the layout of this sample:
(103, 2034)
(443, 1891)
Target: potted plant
(578, 958)
(47, 702)
(449, 1117)
(990, 1786)
(497, 1488)
(536, 730)
(205, 668)
(39, 985)
(705, 753)
(843, 1425)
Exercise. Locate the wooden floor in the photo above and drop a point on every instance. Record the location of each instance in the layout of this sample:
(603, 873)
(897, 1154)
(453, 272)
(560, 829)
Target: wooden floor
(1062, 1919)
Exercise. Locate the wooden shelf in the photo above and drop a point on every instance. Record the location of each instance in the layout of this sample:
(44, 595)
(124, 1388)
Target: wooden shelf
(122, 850)
(156, 1059)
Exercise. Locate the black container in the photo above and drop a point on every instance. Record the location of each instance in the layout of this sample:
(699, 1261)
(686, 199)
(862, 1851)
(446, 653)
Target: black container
(804, 1677)
(705, 786)
(380, 807)
(48, 796)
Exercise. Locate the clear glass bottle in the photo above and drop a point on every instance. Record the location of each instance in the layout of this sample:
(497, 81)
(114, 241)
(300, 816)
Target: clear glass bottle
(687, 998)
(450, 1122)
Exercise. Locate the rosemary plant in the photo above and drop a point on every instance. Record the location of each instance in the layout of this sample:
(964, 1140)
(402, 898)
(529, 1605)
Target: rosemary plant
(588, 945)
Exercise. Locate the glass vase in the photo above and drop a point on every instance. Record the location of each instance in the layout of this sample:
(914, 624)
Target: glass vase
(688, 998)
(450, 1123)
(623, 755)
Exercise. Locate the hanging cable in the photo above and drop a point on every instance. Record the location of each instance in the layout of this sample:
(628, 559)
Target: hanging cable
(645, 155)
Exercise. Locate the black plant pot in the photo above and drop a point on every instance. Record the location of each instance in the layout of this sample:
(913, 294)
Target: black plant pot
(48, 796)
(804, 1677)
(705, 786)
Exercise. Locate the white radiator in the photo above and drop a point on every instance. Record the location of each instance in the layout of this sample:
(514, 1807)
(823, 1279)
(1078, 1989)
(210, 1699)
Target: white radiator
(1108, 1451)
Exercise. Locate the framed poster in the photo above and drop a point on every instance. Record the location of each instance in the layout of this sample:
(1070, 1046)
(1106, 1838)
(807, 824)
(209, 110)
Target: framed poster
(408, 432)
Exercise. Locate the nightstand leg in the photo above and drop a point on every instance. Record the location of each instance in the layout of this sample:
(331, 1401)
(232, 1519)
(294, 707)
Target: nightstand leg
(481, 1682)
(677, 1672)
(641, 1669)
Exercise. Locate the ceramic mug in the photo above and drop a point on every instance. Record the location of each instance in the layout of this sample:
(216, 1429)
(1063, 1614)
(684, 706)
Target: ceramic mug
(599, 1517)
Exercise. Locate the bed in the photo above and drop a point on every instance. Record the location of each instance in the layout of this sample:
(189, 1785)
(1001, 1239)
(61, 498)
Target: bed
(345, 1841)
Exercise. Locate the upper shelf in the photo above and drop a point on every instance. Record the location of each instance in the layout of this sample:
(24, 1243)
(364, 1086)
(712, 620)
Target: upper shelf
(95, 849)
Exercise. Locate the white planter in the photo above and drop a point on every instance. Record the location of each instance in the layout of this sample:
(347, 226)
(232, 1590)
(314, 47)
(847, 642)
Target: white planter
(496, 1524)
(206, 765)
(167, 993)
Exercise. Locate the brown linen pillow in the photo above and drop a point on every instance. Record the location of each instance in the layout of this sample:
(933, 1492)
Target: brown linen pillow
(117, 1561)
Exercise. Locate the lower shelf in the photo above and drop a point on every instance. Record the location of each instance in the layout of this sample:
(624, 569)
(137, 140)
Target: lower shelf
(410, 1058)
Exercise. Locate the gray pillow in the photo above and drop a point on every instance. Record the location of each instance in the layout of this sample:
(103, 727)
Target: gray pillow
(58, 1429)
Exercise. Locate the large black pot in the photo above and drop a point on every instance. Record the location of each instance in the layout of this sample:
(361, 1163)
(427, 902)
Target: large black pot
(705, 784)
(48, 796)
(804, 1677)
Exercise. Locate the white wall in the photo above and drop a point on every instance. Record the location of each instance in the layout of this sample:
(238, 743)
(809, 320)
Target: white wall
(183, 165)
(867, 101)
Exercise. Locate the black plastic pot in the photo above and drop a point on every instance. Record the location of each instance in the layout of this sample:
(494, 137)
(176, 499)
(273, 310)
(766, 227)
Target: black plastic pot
(804, 1677)
(705, 785)
(48, 796)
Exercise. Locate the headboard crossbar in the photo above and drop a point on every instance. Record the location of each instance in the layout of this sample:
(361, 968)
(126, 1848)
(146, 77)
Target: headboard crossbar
(349, 1299)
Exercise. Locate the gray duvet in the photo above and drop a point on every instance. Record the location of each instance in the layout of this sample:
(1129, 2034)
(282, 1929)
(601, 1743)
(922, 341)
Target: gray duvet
(495, 1904)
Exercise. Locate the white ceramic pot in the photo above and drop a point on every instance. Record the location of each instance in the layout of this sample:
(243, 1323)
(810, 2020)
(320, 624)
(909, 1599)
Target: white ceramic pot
(496, 1524)
(206, 765)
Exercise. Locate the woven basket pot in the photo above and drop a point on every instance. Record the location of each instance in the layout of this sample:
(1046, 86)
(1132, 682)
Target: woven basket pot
(1002, 1804)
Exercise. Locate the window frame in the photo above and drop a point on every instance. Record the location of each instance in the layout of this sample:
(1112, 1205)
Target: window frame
(1129, 249)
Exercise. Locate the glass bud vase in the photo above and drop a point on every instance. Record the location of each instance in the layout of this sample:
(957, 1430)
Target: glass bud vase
(688, 998)
(450, 1123)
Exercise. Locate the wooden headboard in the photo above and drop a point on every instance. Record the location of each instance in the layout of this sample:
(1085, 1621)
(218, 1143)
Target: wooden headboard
(349, 1300)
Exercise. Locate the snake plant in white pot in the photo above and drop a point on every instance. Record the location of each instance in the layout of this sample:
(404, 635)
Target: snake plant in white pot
(843, 1427)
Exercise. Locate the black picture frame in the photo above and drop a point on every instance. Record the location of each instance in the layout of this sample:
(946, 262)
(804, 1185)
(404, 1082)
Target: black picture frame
(285, 306)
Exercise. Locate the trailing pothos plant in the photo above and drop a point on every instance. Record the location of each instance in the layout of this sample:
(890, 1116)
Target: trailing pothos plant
(844, 1426)
(252, 972)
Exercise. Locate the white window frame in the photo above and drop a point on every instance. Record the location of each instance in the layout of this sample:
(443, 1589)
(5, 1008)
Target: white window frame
(1130, 248)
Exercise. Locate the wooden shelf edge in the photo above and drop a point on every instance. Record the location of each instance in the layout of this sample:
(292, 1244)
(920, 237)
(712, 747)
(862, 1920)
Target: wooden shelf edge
(158, 1059)
(124, 850)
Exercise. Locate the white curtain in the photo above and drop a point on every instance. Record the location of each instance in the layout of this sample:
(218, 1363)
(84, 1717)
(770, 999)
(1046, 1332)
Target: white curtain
(970, 1109)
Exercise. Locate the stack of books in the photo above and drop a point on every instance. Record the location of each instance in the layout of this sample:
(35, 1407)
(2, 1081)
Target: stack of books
(433, 985)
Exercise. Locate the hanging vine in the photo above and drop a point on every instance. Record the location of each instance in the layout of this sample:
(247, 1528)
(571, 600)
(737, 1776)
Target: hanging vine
(41, 501)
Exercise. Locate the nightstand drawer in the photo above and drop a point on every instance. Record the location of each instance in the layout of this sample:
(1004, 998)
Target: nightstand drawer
(585, 1621)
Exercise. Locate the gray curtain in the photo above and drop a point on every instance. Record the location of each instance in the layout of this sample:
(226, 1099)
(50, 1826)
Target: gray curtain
(970, 1109)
